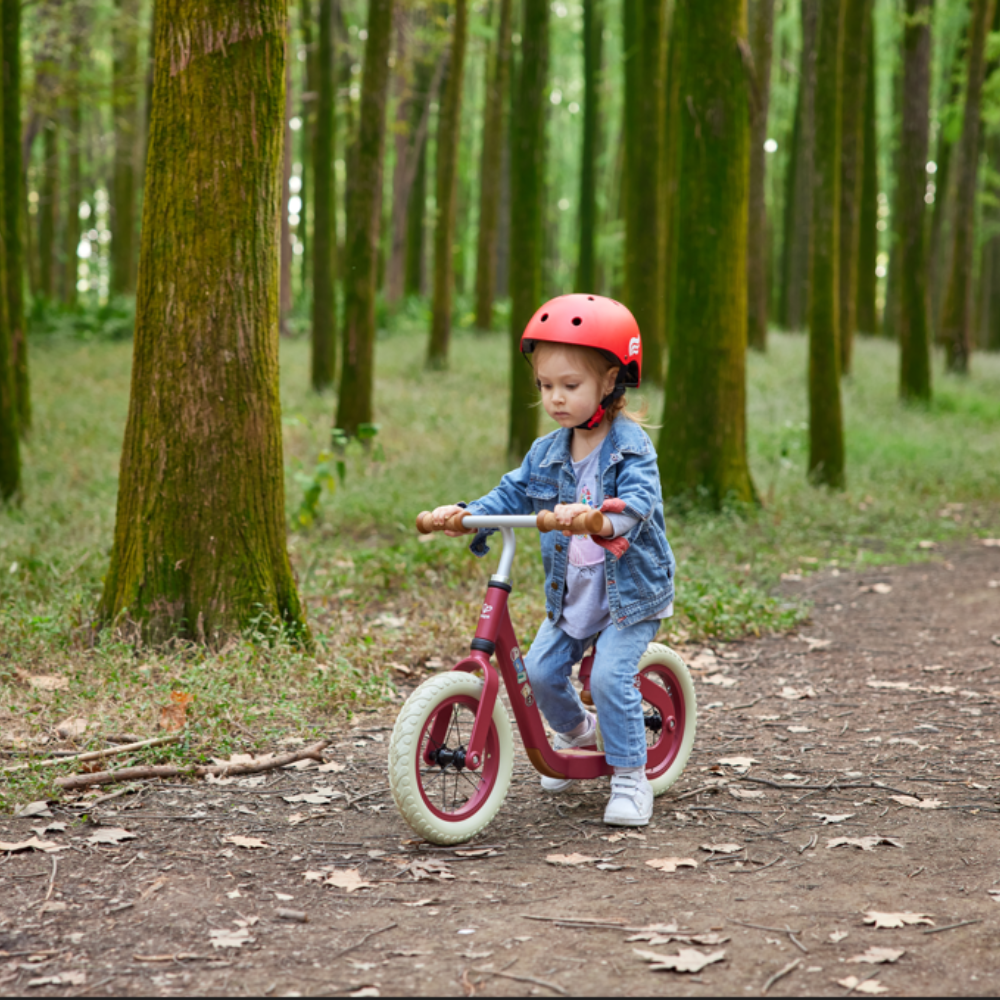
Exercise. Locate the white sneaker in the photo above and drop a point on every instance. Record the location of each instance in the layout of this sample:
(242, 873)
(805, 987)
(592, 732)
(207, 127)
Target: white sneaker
(631, 801)
(588, 739)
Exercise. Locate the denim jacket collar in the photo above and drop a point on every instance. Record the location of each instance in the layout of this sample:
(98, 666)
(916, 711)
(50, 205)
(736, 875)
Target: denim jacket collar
(624, 437)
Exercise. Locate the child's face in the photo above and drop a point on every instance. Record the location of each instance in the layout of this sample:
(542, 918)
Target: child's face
(571, 390)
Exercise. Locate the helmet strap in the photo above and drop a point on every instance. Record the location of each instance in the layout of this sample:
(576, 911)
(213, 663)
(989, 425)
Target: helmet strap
(595, 421)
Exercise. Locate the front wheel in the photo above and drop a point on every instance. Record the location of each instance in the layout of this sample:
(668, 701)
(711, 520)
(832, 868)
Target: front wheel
(441, 799)
(670, 713)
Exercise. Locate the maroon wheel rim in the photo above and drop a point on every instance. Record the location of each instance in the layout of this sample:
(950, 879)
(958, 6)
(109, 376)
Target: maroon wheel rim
(662, 697)
(456, 794)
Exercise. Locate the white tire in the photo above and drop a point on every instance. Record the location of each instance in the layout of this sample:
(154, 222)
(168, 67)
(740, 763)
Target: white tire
(411, 778)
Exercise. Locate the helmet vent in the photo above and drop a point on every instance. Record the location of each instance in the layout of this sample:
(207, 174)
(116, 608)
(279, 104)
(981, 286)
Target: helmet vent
(545, 316)
(590, 298)
(577, 321)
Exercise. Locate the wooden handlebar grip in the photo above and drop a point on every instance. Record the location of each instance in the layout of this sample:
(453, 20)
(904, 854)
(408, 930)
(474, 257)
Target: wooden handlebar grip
(583, 524)
(425, 522)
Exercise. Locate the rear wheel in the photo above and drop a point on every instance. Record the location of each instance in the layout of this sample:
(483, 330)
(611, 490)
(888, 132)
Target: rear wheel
(441, 799)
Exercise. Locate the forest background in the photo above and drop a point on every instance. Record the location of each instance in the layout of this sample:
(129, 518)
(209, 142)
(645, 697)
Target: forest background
(799, 199)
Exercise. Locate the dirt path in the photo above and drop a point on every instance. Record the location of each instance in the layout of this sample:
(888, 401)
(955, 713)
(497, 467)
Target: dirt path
(884, 694)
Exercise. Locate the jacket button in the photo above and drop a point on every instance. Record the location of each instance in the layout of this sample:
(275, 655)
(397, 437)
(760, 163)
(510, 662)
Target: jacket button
(555, 585)
(558, 548)
(550, 616)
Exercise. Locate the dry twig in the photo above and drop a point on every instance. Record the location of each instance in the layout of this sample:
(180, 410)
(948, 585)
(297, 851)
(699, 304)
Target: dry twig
(780, 974)
(96, 754)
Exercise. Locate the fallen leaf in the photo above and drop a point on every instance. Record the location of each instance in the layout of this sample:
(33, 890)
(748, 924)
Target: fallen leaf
(39, 808)
(222, 937)
(33, 844)
(331, 767)
(421, 902)
(349, 879)
(915, 803)
(109, 835)
(313, 798)
(47, 682)
(670, 865)
(864, 843)
(426, 869)
(796, 694)
(815, 644)
(829, 818)
(721, 848)
(155, 886)
(745, 794)
(870, 986)
(570, 859)
(234, 759)
(893, 685)
(473, 955)
(63, 979)
(891, 920)
(926, 544)
(250, 843)
(879, 956)
(876, 588)
(800, 729)
(836, 936)
(476, 852)
(686, 960)
(297, 818)
(72, 727)
(174, 716)
(739, 764)
(705, 660)
(53, 906)
(720, 680)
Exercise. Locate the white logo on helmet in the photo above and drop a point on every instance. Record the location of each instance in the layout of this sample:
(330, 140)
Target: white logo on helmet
(633, 346)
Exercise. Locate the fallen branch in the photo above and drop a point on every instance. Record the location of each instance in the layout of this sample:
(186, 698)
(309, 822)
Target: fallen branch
(951, 927)
(191, 770)
(96, 754)
(780, 974)
(555, 987)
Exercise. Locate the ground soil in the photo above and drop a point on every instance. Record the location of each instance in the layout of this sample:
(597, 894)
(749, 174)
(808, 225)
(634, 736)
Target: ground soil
(847, 747)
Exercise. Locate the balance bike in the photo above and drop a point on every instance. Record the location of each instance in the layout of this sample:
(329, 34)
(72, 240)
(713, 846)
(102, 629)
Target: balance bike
(452, 750)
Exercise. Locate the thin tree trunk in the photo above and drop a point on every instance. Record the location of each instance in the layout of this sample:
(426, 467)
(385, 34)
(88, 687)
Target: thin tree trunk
(324, 242)
(414, 281)
(913, 326)
(857, 24)
(446, 170)
(671, 135)
(74, 137)
(956, 324)
(354, 408)
(826, 432)
(593, 32)
(13, 219)
(491, 169)
(125, 110)
(199, 549)
(867, 308)
(944, 209)
(503, 223)
(703, 437)
(48, 209)
(285, 280)
(10, 454)
(761, 41)
(644, 72)
(991, 335)
(527, 182)
(308, 134)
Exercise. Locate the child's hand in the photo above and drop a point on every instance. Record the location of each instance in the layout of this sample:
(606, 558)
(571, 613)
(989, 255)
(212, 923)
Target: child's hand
(565, 512)
(441, 516)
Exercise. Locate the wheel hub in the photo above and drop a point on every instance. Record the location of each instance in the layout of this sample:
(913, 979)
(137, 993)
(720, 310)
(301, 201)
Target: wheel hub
(444, 757)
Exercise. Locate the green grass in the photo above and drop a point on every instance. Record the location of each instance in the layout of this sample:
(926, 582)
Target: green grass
(914, 473)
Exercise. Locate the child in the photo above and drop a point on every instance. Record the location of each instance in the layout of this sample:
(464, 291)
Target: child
(612, 588)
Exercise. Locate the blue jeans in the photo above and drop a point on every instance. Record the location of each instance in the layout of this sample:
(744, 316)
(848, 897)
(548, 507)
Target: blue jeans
(612, 684)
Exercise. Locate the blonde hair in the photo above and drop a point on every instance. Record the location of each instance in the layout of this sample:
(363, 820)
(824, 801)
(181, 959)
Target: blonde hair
(598, 364)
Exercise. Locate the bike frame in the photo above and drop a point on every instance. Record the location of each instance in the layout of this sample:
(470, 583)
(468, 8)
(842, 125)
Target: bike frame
(495, 635)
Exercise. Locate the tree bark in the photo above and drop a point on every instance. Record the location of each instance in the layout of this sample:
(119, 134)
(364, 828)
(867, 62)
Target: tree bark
(644, 88)
(761, 42)
(324, 241)
(857, 25)
(494, 130)
(867, 308)
(913, 327)
(48, 210)
(414, 282)
(308, 138)
(593, 32)
(956, 324)
(10, 454)
(199, 549)
(446, 170)
(74, 137)
(703, 437)
(357, 369)
(285, 280)
(826, 432)
(671, 133)
(125, 110)
(527, 181)
(13, 221)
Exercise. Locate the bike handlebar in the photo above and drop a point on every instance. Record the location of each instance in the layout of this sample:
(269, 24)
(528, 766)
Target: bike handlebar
(588, 523)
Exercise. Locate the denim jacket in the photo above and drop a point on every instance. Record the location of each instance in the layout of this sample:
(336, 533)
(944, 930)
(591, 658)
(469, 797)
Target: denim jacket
(640, 571)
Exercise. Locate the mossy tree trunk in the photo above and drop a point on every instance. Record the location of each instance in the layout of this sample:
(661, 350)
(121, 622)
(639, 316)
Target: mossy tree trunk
(12, 219)
(446, 171)
(10, 453)
(867, 308)
(911, 185)
(761, 42)
(826, 432)
(494, 129)
(644, 59)
(48, 210)
(527, 182)
(324, 241)
(857, 24)
(957, 320)
(125, 111)
(199, 548)
(703, 438)
(593, 34)
(363, 208)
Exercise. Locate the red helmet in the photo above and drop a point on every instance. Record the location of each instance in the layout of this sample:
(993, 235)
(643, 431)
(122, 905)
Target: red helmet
(590, 321)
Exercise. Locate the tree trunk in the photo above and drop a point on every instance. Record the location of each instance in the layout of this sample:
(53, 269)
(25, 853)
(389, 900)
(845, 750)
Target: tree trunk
(527, 182)
(48, 209)
(308, 137)
(446, 170)
(671, 134)
(703, 437)
(199, 549)
(761, 41)
(13, 220)
(74, 136)
(913, 327)
(10, 455)
(324, 241)
(956, 324)
(593, 32)
(414, 282)
(644, 72)
(125, 110)
(357, 368)
(939, 250)
(857, 25)
(285, 280)
(494, 130)
(826, 432)
(867, 308)
(991, 333)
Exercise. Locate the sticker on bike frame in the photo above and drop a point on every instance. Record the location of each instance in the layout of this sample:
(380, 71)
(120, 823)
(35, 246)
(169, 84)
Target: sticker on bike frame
(526, 695)
(487, 611)
(515, 658)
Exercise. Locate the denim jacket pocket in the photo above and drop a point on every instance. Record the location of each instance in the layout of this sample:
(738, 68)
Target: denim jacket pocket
(542, 493)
